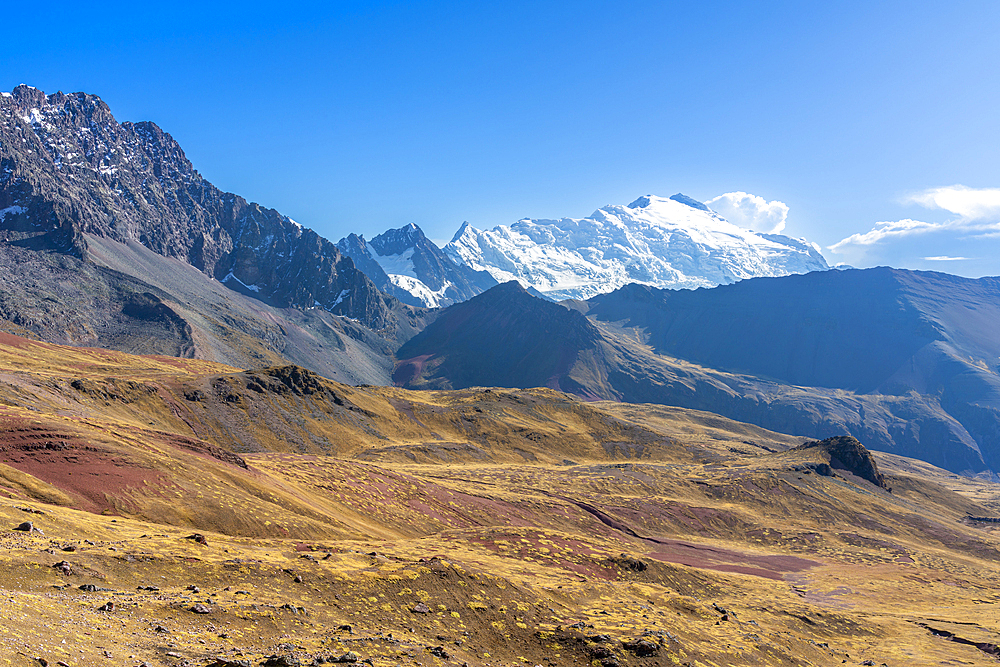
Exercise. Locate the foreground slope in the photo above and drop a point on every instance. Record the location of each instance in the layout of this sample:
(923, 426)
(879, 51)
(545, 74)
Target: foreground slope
(902, 360)
(569, 533)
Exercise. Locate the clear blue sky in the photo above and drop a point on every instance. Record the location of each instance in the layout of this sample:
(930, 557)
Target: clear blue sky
(364, 116)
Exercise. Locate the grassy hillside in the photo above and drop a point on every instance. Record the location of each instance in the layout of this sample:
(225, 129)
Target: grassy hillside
(235, 515)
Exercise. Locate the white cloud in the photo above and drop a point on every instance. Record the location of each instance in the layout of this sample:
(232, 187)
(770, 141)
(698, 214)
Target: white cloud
(884, 230)
(945, 258)
(967, 203)
(751, 212)
(977, 214)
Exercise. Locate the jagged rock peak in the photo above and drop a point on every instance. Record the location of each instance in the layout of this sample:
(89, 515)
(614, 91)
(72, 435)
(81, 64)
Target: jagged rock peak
(70, 169)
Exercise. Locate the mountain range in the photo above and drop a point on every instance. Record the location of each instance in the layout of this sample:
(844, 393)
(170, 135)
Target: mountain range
(672, 243)
(905, 361)
(109, 237)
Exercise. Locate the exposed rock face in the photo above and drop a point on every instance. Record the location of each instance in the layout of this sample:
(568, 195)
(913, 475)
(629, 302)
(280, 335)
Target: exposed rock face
(846, 453)
(68, 168)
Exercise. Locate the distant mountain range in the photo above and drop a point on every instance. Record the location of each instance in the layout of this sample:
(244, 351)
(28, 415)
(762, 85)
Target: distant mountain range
(110, 238)
(904, 361)
(672, 243)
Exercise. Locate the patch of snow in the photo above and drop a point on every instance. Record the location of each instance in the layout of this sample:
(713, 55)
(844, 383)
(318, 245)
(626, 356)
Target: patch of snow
(416, 287)
(230, 276)
(14, 210)
(340, 298)
(5, 94)
(401, 265)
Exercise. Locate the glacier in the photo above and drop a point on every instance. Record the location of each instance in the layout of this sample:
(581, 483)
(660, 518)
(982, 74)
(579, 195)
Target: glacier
(675, 242)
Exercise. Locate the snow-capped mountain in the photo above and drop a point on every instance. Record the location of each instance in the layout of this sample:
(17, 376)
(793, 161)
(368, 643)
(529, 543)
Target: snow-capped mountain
(668, 243)
(406, 264)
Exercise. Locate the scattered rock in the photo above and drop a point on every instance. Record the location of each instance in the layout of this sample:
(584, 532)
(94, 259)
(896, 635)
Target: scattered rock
(197, 537)
(439, 652)
(298, 579)
(350, 656)
(421, 608)
(151, 589)
(642, 647)
(600, 652)
(193, 589)
(347, 628)
(281, 661)
(219, 662)
(91, 588)
(68, 547)
(64, 566)
(107, 606)
(28, 527)
(201, 609)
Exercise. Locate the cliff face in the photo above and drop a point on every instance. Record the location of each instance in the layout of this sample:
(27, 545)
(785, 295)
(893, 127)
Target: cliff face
(68, 168)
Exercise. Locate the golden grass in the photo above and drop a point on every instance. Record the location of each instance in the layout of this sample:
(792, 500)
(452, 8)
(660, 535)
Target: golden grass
(534, 529)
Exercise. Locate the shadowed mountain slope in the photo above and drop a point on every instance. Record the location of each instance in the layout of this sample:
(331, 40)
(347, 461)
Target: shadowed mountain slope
(504, 337)
(904, 361)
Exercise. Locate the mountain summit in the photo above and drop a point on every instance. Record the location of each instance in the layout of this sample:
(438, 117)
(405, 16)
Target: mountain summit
(668, 243)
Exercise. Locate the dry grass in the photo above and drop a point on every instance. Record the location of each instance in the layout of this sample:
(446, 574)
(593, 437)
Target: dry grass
(530, 527)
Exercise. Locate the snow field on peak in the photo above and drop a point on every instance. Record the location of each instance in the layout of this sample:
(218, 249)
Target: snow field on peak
(402, 274)
(654, 241)
(419, 289)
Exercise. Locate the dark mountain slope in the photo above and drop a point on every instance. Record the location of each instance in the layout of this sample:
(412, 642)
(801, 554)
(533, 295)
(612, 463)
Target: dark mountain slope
(68, 169)
(504, 337)
(852, 329)
(870, 341)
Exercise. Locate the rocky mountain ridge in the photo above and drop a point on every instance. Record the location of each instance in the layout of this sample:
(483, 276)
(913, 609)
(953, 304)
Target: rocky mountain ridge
(68, 169)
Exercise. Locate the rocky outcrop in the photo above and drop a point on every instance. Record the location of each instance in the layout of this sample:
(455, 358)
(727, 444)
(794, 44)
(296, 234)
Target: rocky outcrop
(68, 169)
(846, 453)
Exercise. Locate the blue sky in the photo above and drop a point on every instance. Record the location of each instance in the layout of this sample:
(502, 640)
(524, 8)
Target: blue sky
(875, 124)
